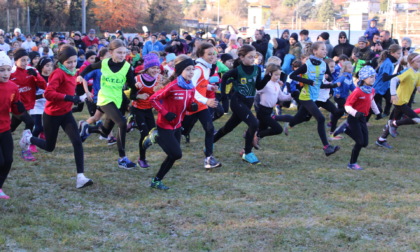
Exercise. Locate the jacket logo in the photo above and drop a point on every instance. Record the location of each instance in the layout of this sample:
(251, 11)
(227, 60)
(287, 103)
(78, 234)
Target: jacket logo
(243, 81)
(362, 97)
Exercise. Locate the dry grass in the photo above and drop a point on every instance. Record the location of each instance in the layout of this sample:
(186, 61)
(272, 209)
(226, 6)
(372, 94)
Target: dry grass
(296, 200)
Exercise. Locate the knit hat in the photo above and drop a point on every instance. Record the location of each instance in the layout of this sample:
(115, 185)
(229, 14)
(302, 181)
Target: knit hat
(342, 34)
(4, 59)
(179, 68)
(80, 52)
(65, 53)
(225, 57)
(17, 30)
(363, 39)
(42, 62)
(294, 36)
(325, 35)
(19, 53)
(170, 56)
(90, 54)
(366, 72)
(151, 60)
(92, 31)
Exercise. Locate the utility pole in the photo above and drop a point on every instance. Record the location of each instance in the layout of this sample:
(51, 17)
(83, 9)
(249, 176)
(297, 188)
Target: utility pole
(83, 16)
(28, 19)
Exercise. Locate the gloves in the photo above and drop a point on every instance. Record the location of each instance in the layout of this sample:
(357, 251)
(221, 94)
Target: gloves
(193, 107)
(75, 99)
(312, 82)
(20, 107)
(214, 79)
(359, 114)
(32, 72)
(170, 116)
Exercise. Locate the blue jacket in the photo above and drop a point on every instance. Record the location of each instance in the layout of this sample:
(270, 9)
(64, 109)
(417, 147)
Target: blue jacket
(370, 31)
(149, 47)
(96, 76)
(347, 85)
(381, 86)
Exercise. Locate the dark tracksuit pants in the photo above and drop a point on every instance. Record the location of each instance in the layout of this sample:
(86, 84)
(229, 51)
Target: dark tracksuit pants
(145, 121)
(6, 155)
(205, 118)
(358, 131)
(170, 142)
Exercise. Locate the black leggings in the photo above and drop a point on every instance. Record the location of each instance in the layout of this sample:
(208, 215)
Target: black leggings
(310, 108)
(68, 124)
(169, 141)
(24, 117)
(38, 128)
(268, 126)
(358, 131)
(113, 116)
(241, 112)
(6, 155)
(206, 121)
(335, 112)
(378, 101)
(403, 110)
(145, 121)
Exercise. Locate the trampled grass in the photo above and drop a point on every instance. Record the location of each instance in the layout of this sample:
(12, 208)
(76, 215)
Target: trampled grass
(296, 200)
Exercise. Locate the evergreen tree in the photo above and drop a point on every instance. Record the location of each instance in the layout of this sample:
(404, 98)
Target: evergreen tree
(326, 11)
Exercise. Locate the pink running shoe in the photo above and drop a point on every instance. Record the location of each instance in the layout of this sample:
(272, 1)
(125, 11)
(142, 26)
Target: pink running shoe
(3, 195)
(27, 155)
(33, 148)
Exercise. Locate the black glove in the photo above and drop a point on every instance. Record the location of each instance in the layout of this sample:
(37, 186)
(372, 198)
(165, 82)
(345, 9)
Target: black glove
(170, 116)
(32, 72)
(312, 82)
(75, 99)
(379, 116)
(359, 114)
(20, 107)
(193, 107)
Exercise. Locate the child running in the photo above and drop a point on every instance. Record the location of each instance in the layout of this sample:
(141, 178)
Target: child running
(268, 98)
(147, 83)
(248, 80)
(358, 105)
(9, 101)
(201, 81)
(60, 99)
(115, 73)
(313, 70)
(400, 97)
(28, 81)
(172, 103)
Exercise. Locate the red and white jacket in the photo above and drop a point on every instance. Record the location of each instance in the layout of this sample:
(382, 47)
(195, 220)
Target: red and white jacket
(150, 90)
(27, 85)
(172, 98)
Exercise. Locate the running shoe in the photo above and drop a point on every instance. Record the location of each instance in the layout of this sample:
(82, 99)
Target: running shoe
(131, 123)
(384, 144)
(27, 155)
(331, 149)
(158, 185)
(250, 158)
(187, 138)
(211, 162)
(392, 129)
(25, 140)
(84, 130)
(150, 139)
(341, 128)
(286, 128)
(143, 163)
(416, 119)
(33, 148)
(111, 141)
(125, 163)
(355, 167)
(3, 195)
(82, 182)
(337, 137)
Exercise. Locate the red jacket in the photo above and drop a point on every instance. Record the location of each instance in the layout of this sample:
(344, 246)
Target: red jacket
(172, 98)
(89, 42)
(360, 101)
(9, 95)
(60, 84)
(27, 86)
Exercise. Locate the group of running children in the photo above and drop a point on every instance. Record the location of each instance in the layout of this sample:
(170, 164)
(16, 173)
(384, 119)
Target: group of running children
(192, 92)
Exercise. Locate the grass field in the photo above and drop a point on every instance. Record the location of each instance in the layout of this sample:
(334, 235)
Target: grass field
(296, 200)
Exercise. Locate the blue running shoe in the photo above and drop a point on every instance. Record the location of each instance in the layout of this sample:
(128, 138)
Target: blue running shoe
(158, 185)
(84, 130)
(354, 167)
(340, 129)
(250, 158)
(125, 163)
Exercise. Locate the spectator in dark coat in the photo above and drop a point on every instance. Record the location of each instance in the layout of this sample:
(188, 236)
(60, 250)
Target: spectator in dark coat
(260, 44)
(343, 47)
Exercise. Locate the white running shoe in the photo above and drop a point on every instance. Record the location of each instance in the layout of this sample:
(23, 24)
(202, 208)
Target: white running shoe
(25, 141)
(82, 181)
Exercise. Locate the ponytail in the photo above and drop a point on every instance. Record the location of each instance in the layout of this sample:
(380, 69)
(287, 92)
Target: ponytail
(170, 79)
